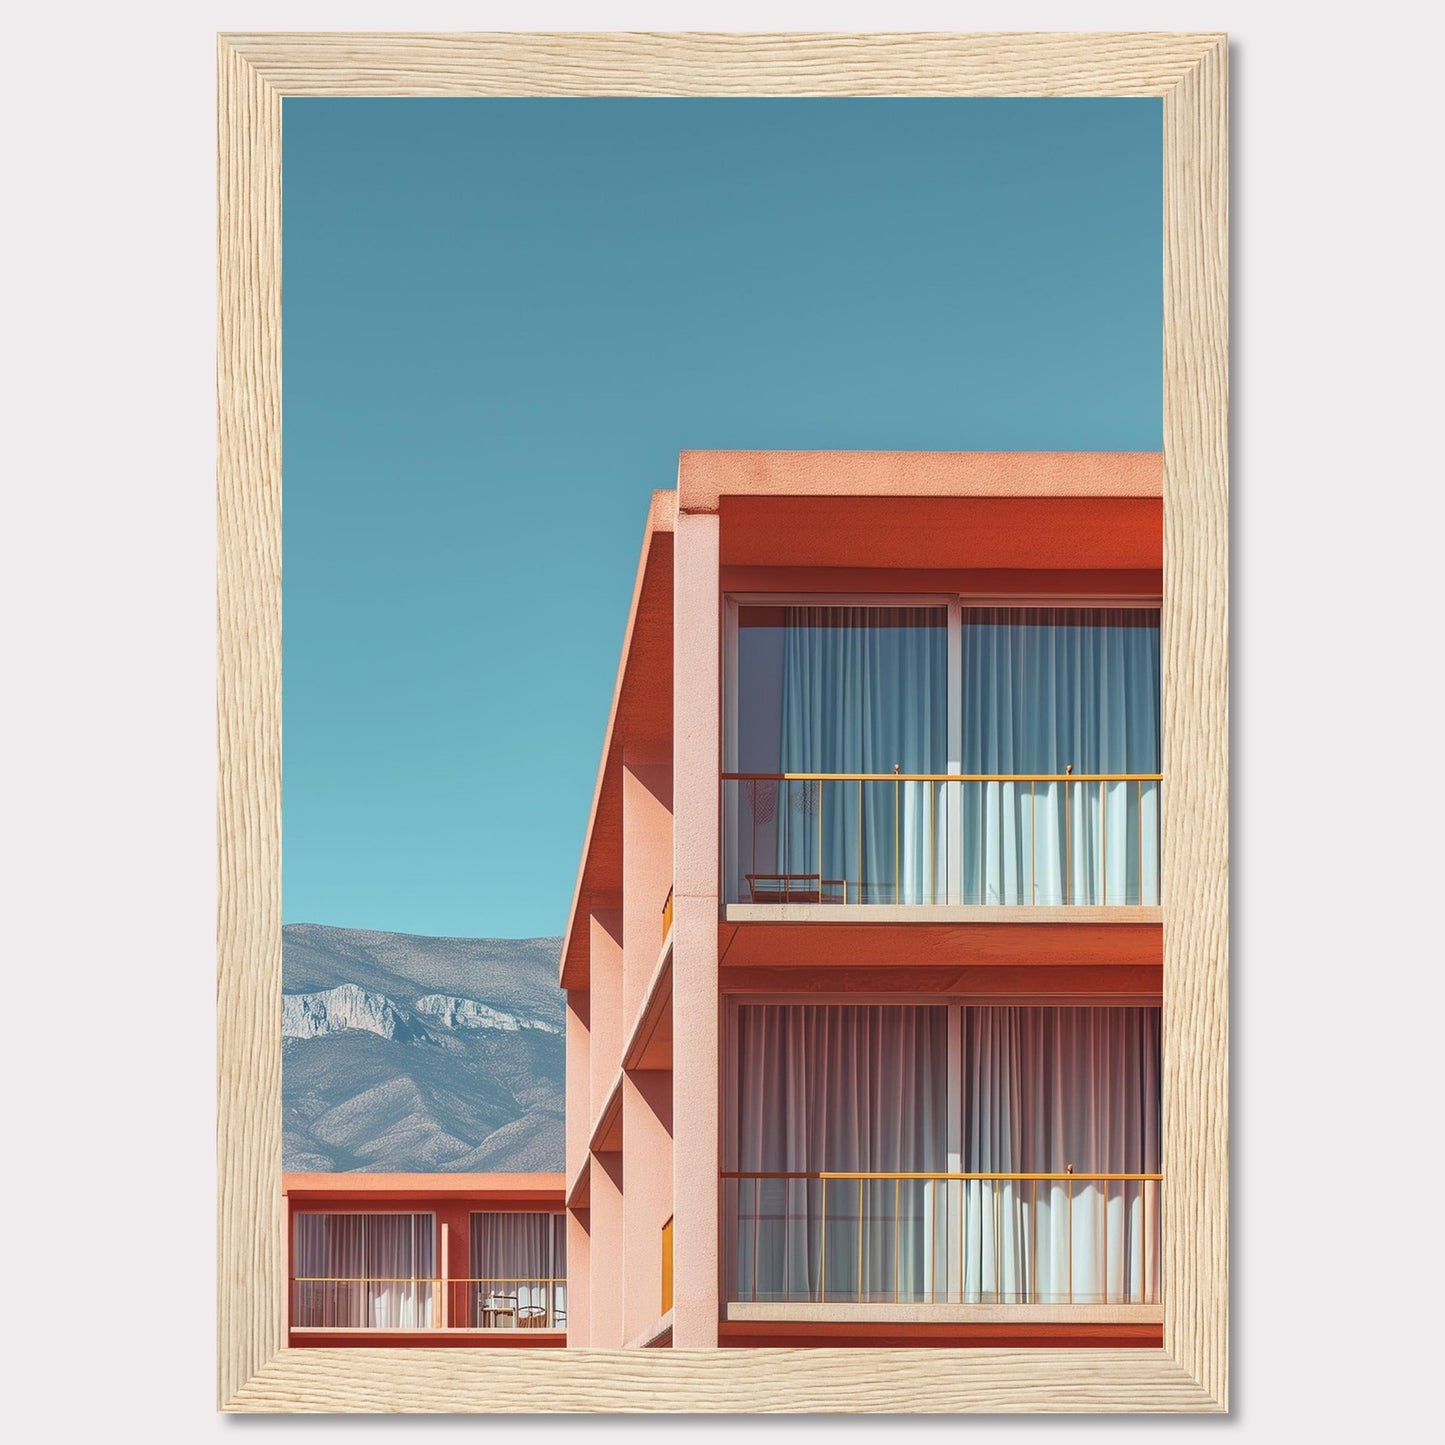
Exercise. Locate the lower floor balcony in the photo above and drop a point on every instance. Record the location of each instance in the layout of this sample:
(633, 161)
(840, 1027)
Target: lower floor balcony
(1053, 1242)
(942, 1162)
(359, 1273)
(413, 1303)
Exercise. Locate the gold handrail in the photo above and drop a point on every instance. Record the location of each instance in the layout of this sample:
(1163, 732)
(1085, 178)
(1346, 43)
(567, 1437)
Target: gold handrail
(926, 1174)
(941, 871)
(1006, 1275)
(942, 777)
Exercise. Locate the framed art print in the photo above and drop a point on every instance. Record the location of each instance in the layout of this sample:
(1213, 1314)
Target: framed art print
(725, 543)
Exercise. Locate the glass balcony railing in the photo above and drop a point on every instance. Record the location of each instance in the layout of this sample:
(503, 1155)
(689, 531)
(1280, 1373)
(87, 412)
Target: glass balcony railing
(1040, 840)
(957, 1238)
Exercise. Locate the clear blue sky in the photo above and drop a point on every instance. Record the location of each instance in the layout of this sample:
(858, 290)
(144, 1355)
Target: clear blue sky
(503, 321)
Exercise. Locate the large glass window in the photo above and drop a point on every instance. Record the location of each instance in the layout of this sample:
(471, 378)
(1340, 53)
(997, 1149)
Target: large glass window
(828, 690)
(519, 1268)
(878, 1155)
(836, 1087)
(889, 754)
(364, 1271)
(1049, 692)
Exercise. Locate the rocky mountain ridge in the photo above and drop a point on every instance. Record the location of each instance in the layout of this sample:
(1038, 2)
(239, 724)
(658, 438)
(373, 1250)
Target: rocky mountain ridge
(406, 1053)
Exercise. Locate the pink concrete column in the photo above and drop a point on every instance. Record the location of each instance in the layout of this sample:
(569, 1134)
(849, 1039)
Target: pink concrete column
(697, 758)
(579, 1278)
(579, 1079)
(647, 1202)
(646, 872)
(605, 1005)
(605, 1221)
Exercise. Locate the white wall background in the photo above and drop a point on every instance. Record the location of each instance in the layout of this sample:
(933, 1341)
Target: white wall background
(106, 540)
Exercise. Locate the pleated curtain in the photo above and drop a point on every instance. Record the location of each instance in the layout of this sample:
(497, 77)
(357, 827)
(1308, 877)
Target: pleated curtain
(364, 1271)
(864, 690)
(519, 1264)
(1046, 688)
(855, 1088)
(1046, 1090)
(828, 1087)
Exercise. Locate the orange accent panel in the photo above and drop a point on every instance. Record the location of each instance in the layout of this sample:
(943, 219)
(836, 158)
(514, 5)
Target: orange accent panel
(899, 946)
(1142, 982)
(1143, 583)
(429, 1339)
(997, 533)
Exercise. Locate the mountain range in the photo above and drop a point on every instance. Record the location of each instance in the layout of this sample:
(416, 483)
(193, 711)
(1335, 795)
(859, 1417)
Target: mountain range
(403, 1053)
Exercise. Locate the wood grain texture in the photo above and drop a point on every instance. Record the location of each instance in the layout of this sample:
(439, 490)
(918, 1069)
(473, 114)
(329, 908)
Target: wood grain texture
(1194, 642)
(255, 1372)
(584, 63)
(252, 1252)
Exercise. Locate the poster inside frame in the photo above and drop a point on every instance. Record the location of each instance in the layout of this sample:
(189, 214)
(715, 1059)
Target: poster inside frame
(256, 1371)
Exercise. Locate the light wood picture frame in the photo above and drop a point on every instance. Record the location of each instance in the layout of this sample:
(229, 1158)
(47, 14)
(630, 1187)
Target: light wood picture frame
(256, 1371)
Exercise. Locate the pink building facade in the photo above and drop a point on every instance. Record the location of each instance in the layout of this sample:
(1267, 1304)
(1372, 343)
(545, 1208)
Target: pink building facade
(863, 965)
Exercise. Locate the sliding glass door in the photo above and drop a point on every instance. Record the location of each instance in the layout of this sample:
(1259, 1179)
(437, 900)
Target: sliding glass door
(824, 691)
(829, 1088)
(943, 752)
(364, 1271)
(1049, 692)
(943, 1153)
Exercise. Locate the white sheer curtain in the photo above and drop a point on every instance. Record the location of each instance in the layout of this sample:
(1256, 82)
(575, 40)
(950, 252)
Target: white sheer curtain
(1046, 688)
(825, 1087)
(364, 1271)
(519, 1263)
(864, 690)
(1045, 1089)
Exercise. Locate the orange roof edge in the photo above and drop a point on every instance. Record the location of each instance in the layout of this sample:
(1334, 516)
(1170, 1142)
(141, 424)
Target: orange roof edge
(661, 517)
(414, 1184)
(703, 478)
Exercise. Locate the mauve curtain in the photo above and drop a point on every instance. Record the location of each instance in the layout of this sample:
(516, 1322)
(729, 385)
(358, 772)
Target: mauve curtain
(1045, 688)
(864, 689)
(822, 1087)
(1045, 1089)
(520, 1254)
(364, 1271)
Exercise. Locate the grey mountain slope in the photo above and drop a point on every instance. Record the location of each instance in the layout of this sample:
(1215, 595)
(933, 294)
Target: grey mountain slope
(407, 1053)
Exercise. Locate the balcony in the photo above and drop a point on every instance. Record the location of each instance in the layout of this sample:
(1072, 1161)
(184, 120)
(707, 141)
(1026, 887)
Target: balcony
(974, 840)
(427, 1304)
(910, 1245)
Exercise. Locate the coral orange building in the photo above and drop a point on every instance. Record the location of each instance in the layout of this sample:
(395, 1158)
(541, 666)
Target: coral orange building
(426, 1259)
(863, 965)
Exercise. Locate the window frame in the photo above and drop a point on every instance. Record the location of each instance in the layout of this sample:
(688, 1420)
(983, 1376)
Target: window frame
(956, 604)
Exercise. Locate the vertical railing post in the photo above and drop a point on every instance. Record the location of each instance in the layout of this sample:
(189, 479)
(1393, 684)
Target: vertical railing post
(897, 854)
(860, 1241)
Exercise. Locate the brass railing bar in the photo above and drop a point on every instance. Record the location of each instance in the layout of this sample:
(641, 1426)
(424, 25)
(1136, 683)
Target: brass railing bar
(823, 1246)
(1034, 1240)
(925, 1174)
(901, 777)
(860, 1241)
(822, 787)
(1104, 843)
(1071, 1239)
(897, 855)
(997, 1245)
(1068, 846)
(897, 1231)
(757, 1189)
